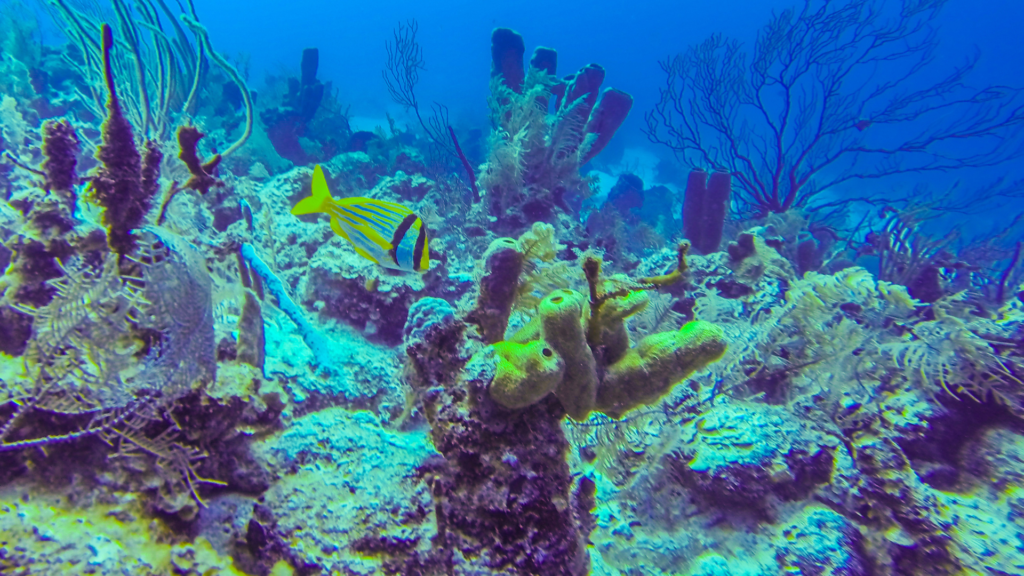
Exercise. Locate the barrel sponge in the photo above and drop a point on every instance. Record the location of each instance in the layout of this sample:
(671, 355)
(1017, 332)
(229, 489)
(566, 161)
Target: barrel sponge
(658, 363)
(525, 373)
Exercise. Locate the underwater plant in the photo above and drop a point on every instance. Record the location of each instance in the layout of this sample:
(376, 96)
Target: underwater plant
(167, 69)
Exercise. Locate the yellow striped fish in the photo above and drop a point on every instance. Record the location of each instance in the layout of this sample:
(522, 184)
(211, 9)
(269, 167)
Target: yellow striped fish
(385, 233)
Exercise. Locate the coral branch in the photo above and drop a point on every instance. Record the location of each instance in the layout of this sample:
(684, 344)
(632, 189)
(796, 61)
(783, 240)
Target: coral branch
(204, 38)
(466, 165)
(323, 354)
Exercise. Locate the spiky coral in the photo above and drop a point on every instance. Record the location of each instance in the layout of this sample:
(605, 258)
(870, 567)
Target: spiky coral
(60, 145)
(126, 182)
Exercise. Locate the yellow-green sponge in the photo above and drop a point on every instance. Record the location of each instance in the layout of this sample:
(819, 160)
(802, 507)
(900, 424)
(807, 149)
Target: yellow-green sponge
(611, 328)
(658, 363)
(562, 313)
(526, 373)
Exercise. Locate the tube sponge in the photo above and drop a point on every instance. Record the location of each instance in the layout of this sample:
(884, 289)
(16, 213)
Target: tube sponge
(526, 373)
(498, 288)
(552, 344)
(562, 315)
(658, 363)
(705, 206)
(551, 354)
(507, 49)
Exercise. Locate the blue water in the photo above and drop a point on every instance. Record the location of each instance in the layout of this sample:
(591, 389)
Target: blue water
(518, 357)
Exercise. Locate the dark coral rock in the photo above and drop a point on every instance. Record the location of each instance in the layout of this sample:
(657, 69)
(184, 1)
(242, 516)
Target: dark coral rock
(433, 336)
(743, 247)
(15, 330)
(740, 468)
(359, 141)
(501, 497)
(291, 120)
(627, 195)
(729, 288)
(821, 537)
(508, 474)
(927, 285)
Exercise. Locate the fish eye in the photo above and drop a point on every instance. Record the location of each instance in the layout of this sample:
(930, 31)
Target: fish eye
(547, 352)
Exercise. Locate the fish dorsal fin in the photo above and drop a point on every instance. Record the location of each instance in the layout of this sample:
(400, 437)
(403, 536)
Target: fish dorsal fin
(319, 197)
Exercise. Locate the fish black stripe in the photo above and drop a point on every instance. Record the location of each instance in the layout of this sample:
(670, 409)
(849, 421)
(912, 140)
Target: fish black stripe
(421, 243)
(400, 233)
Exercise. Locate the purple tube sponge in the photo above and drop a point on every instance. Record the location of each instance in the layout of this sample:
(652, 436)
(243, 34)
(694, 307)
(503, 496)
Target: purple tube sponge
(606, 118)
(705, 206)
(60, 146)
(584, 84)
(545, 59)
(507, 51)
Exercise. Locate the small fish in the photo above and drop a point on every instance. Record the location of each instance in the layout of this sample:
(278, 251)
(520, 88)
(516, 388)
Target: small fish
(862, 125)
(384, 233)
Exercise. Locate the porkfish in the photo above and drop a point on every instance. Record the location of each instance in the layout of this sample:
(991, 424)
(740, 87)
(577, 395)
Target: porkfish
(384, 233)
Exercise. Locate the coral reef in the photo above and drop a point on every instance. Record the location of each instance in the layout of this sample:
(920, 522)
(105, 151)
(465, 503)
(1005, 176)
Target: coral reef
(288, 122)
(494, 410)
(204, 383)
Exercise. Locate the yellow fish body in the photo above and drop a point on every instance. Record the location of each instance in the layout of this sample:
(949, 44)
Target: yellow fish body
(385, 233)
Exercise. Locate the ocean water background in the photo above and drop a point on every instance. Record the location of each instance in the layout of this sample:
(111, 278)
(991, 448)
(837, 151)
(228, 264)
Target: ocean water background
(628, 39)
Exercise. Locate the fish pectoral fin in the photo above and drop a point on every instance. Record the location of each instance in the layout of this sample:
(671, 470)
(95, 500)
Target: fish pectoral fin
(340, 231)
(365, 254)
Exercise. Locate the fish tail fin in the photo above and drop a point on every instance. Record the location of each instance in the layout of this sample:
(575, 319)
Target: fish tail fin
(318, 199)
